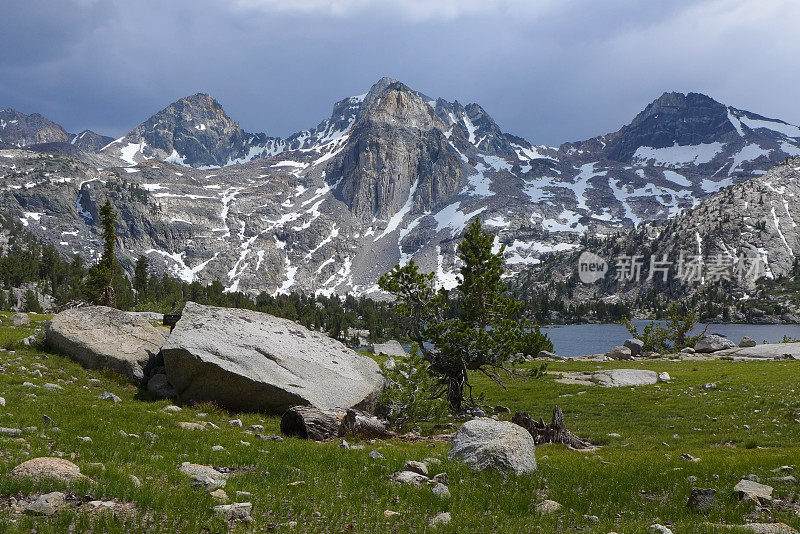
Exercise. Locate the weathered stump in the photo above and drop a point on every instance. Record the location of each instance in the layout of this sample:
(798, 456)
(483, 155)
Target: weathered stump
(364, 425)
(555, 432)
(307, 422)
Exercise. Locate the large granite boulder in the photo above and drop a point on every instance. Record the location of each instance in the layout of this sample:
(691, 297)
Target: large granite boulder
(767, 351)
(20, 319)
(484, 443)
(251, 361)
(713, 343)
(620, 353)
(98, 337)
(635, 345)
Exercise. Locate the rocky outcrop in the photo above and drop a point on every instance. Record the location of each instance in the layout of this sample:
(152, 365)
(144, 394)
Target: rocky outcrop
(18, 129)
(246, 360)
(484, 443)
(98, 337)
(769, 351)
(391, 348)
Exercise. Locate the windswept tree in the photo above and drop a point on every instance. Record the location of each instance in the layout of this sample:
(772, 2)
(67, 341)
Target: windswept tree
(101, 275)
(479, 330)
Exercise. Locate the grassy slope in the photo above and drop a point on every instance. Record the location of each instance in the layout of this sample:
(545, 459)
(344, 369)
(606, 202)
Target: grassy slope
(630, 483)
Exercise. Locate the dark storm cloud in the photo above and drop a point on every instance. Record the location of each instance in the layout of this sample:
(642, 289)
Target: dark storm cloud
(550, 71)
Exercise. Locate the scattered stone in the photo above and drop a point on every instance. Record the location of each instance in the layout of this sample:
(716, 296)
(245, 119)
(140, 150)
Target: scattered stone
(783, 469)
(135, 480)
(664, 377)
(247, 360)
(217, 448)
(219, 495)
(441, 491)
(620, 353)
(478, 413)
(20, 319)
(296, 483)
(767, 528)
(52, 387)
(746, 342)
(635, 346)
(548, 507)
(204, 476)
(416, 467)
(713, 343)
(238, 511)
(47, 420)
(344, 445)
(102, 506)
(409, 477)
(85, 439)
(172, 408)
(702, 500)
(788, 479)
(109, 397)
(754, 491)
(99, 337)
(711, 385)
(442, 518)
(47, 505)
(29, 385)
(2, 402)
(257, 428)
(441, 478)
(244, 494)
(235, 422)
(47, 468)
(375, 455)
(149, 435)
(659, 529)
(485, 443)
(391, 514)
(10, 431)
(686, 457)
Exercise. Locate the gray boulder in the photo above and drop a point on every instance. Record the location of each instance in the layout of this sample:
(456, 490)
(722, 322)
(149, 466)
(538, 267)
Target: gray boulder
(390, 348)
(620, 353)
(635, 345)
(750, 490)
(20, 319)
(713, 343)
(484, 443)
(612, 378)
(251, 361)
(746, 342)
(767, 351)
(98, 337)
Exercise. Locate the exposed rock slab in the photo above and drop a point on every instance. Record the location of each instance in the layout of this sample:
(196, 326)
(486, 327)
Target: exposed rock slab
(767, 351)
(484, 443)
(390, 348)
(713, 343)
(612, 378)
(98, 337)
(251, 361)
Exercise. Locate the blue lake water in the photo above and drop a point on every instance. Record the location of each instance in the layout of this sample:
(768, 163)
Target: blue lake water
(582, 339)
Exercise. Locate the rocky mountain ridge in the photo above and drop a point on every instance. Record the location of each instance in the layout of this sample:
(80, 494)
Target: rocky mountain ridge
(391, 175)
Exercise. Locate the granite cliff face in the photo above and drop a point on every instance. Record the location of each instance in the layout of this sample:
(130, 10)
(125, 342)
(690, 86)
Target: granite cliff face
(392, 175)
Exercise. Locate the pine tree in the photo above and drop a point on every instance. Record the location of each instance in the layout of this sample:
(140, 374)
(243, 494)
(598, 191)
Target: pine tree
(101, 275)
(140, 277)
(479, 331)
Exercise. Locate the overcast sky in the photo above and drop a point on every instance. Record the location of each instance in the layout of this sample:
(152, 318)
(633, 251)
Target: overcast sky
(548, 70)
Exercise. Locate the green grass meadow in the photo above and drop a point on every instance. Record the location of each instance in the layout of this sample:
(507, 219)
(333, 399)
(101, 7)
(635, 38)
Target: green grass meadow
(744, 426)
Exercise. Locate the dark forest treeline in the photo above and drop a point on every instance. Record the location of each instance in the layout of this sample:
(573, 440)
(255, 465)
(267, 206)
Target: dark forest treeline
(24, 260)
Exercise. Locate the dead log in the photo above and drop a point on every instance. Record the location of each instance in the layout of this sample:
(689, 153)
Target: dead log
(307, 422)
(555, 432)
(364, 425)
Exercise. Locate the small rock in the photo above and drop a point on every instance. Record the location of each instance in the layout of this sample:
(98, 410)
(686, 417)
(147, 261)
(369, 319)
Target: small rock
(746, 342)
(10, 431)
(441, 478)
(20, 319)
(710, 385)
(172, 408)
(47, 467)
(375, 455)
(416, 467)
(238, 511)
(85, 439)
(110, 397)
(635, 346)
(219, 495)
(188, 425)
(442, 518)
(689, 458)
(47, 504)
(664, 377)
(659, 529)
(391, 514)
(620, 353)
(344, 445)
(783, 469)
(217, 448)
(788, 479)
(135, 480)
(441, 491)
(204, 476)
(409, 477)
(52, 387)
(245, 494)
(548, 507)
(478, 413)
(235, 422)
(46, 420)
(701, 500)
(754, 491)
(257, 428)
